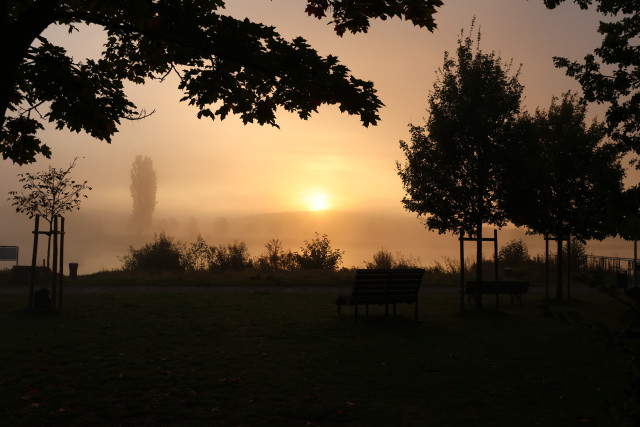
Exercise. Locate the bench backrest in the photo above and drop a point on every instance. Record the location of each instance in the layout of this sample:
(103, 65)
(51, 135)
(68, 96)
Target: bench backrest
(387, 283)
(498, 287)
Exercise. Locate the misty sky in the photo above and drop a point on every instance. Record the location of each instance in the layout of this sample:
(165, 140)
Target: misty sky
(220, 168)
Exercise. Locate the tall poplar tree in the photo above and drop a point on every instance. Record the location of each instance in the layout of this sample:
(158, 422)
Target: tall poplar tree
(143, 191)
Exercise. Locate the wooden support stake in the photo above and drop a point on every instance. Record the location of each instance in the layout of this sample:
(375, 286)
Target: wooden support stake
(61, 261)
(461, 271)
(54, 285)
(34, 260)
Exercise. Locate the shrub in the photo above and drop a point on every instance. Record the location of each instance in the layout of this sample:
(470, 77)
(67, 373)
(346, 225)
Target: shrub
(318, 255)
(514, 253)
(384, 259)
(275, 258)
(162, 254)
(234, 256)
(199, 255)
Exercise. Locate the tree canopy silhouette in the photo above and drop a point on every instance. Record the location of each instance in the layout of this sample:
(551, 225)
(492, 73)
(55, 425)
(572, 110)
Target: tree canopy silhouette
(454, 163)
(611, 74)
(225, 65)
(563, 178)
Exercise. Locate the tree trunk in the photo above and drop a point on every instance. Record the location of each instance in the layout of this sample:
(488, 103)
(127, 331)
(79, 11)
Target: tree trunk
(478, 295)
(559, 273)
(49, 245)
(17, 36)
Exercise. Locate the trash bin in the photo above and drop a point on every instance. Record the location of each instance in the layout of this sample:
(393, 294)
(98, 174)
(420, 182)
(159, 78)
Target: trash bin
(621, 280)
(73, 270)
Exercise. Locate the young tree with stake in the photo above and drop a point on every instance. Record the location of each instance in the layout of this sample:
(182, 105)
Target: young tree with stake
(48, 194)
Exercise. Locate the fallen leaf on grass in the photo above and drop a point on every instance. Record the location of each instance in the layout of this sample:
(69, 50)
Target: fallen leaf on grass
(350, 404)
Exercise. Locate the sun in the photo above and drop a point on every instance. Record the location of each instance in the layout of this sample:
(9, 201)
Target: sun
(318, 201)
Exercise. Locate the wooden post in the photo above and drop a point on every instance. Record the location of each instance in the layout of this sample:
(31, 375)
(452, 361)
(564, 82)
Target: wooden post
(559, 269)
(461, 271)
(54, 285)
(61, 261)
(478, 295)
(34, 260)
(546, 262)
(495, 263)
(635, 263)
(569, 267)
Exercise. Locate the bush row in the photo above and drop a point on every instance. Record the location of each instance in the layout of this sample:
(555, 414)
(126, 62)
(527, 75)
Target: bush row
(164, 253)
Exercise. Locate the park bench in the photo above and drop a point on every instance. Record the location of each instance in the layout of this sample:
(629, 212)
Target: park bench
(514, 289)
(383, 287)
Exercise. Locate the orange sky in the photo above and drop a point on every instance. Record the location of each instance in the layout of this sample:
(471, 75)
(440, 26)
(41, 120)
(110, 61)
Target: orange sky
(224, 168)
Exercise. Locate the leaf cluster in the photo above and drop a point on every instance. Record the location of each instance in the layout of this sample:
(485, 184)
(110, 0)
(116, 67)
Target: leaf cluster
(224, 65)
(611, 74)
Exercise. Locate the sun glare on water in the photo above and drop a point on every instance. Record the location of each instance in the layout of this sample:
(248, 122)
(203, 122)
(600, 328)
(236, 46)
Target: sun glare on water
(318, 202)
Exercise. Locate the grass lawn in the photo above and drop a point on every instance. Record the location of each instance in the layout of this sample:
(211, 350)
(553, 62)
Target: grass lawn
(256, 359)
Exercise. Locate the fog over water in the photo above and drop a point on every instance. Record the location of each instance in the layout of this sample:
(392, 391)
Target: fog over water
(97, 240)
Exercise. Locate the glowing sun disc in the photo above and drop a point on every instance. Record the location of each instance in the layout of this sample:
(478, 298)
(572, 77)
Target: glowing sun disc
(317, 202)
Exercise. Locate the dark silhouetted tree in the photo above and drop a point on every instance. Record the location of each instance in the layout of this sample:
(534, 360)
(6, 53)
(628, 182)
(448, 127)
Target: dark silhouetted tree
(49, 194)
(611, 74)
(563, 179)
(143, 191)
(237, 66)
(454, 163)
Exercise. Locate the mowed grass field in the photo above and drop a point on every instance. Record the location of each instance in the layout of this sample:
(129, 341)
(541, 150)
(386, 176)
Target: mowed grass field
(258, 359)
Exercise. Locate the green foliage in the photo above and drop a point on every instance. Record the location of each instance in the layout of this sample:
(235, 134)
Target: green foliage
(454, 163)
(234, 256)
(611, 74)
(275, 258)
(235, 66)
(162, 254)
(514, 253)
(317, 254)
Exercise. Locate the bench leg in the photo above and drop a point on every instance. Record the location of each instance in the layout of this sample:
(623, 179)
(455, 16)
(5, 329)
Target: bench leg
(355, 311)
(416, 304)
(394, 308)
(386, 310)
(339, 313)
(367, 309)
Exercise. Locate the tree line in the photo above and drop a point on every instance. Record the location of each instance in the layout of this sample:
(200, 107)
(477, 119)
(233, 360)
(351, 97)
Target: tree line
(480, 160)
